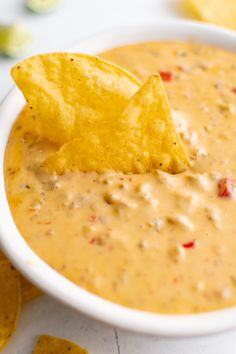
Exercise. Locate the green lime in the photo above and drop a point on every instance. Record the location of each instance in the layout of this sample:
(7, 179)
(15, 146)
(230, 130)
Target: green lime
(42, 6)
(14, 40)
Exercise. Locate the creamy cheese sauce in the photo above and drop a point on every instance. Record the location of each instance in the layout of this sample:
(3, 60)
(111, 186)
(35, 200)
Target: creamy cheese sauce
(154, 242)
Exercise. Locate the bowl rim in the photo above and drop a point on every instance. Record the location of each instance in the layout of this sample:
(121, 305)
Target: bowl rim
(50, 281)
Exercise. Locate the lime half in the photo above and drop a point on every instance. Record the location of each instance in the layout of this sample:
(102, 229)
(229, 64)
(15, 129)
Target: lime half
(42, 6)
(14, 40)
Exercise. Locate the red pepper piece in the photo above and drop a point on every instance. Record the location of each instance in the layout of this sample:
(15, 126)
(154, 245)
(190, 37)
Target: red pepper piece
(96, 241)
(234, 89)
(166, 75)
(93, 241)
(190, 244)
(92, 218)
(226, 187)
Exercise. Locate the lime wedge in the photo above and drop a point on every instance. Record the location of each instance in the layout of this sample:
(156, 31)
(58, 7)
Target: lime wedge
(42, 6)
(14, 40)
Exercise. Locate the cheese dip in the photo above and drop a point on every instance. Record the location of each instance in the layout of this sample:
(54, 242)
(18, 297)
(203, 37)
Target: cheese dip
(155, 242)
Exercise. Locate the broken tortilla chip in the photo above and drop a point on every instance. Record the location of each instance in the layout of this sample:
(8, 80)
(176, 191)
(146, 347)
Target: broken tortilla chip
(220, 12)
(142, 139)
(69, 92)
(10, 301)
(53, 345)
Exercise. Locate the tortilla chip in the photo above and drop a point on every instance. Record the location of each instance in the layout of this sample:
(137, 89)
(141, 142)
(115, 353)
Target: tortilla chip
(220, 12)
(152, 136)
(69, 92)
(2, 256)
(10, 301)
(28, 290)
(144, 139)
(52, 345)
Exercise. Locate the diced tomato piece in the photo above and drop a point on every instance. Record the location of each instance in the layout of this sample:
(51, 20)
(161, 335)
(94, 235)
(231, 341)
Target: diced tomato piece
(226, 187)
(166, 75)
(190, 244)
(234, 89)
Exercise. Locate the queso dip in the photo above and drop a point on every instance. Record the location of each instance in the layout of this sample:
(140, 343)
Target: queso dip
(155, 242)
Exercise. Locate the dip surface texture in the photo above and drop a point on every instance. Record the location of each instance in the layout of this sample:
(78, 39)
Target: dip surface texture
(155, 242)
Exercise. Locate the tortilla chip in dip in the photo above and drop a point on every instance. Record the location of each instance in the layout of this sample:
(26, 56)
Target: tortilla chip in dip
(70, 92)
(144, 139)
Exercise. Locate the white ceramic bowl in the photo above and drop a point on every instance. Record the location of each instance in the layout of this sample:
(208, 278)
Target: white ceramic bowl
(52, 282)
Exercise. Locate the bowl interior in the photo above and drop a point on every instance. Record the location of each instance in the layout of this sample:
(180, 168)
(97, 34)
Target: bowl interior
(38, 272)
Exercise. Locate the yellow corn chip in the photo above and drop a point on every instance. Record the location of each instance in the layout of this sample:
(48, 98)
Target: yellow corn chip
(220, 12)
(71, 92)
(153, 139)
(53, 345)
(2, 256)
(143, 138)
(28, 290)
(10, 301)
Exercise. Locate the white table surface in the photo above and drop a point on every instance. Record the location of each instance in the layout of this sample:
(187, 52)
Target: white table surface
(72, 21)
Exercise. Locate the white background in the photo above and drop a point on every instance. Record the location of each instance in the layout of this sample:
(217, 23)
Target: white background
(76, 19)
